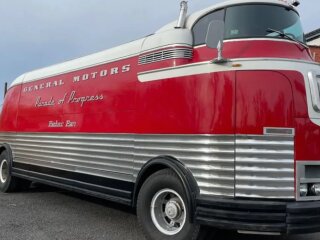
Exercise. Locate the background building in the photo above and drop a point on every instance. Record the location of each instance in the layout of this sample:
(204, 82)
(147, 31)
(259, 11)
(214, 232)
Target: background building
(313, 40)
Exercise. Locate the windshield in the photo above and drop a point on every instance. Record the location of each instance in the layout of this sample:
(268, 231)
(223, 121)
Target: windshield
(250, 21)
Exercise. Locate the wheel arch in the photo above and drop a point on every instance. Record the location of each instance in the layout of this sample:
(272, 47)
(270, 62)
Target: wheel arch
(163, 162)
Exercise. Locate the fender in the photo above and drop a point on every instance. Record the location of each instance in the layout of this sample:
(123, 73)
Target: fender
(186, 177)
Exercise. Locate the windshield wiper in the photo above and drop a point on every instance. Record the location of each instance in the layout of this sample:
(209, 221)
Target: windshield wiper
(284, 35)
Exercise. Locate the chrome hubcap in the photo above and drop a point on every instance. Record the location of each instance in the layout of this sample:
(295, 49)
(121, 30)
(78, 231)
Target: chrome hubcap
(4, 171)
(168, 212)
(173, 209)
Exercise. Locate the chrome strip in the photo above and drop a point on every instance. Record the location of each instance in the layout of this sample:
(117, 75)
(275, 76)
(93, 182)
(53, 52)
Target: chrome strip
(251, 39)
(264, 166)
(207, 67)
(158, 56)
(236, 60)
(260, 39)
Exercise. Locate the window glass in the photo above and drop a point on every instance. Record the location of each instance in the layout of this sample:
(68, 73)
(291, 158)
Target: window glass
(250, 21)
(201, 27)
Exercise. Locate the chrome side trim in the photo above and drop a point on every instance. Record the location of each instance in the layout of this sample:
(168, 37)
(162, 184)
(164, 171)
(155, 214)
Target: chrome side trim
(158, 56)
(260, 39)
(206, 67)
(108, 156)
(223, 165)
(121, 156)
(210, 158)
(264, 167)
(252, 39)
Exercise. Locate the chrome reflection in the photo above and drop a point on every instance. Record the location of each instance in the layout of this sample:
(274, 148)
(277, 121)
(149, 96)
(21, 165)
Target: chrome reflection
(223, 165)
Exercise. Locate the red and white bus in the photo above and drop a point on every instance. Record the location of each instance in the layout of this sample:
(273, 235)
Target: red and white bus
(214, 120)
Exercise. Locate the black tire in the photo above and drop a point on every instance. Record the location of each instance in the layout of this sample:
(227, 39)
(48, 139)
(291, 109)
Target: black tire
(8, 183)
(162, 181)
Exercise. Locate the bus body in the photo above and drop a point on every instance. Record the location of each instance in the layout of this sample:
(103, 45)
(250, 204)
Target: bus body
(242, 136)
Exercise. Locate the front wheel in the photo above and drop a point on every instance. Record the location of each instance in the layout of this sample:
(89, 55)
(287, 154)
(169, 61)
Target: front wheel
(8, 183)
(162, 208)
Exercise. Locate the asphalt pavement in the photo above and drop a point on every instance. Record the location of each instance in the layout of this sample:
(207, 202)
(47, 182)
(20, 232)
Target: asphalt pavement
(45, 213)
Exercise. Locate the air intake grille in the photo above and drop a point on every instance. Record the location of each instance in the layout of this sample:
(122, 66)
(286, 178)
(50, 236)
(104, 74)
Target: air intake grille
(264, 166)
(165, 55)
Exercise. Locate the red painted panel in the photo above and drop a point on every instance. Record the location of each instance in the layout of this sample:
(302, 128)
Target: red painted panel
(255, 49)
(307, 143)
(8, 119)
(109, 98)
(202, 104)
(90, 100)
(264, 99)
(237, 49)
(299, 93)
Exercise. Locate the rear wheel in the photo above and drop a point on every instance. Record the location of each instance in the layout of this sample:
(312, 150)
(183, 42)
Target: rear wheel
(8, 183)
(162, 208)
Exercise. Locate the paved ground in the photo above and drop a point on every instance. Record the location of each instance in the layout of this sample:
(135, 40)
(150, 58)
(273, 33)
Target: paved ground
(44, 213)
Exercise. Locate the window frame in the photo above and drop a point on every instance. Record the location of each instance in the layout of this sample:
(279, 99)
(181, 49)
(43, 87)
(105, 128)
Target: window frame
(202, 17)
(239, 4)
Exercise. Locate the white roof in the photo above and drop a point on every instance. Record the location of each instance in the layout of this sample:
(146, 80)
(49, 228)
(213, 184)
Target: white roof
(123, 51)
(126, 50)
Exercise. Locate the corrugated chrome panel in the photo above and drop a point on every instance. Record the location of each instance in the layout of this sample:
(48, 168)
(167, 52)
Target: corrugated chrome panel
(248, 166)
(104, 155)
(265, 166)
(209, 157)
(121, 156)
(173, 53)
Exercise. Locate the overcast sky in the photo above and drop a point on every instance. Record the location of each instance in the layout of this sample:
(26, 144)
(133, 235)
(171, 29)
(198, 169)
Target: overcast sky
(38, 33)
